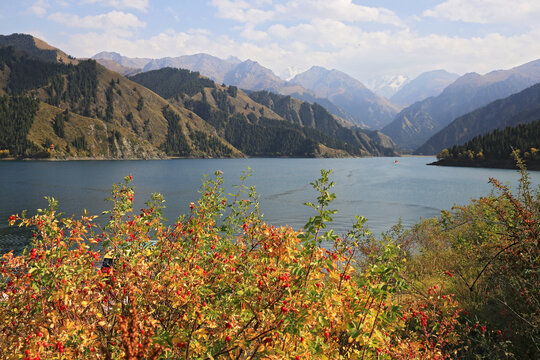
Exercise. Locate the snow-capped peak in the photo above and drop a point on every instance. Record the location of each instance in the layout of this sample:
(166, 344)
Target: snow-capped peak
(387, 85)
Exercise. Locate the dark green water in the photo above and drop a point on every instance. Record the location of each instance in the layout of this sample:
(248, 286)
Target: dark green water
(376, 188)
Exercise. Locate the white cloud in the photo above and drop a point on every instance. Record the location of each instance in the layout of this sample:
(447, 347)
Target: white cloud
(318, 22)
(257, 12)
(319, 33)
(39, 8)
(339, 10)
(114, 20)
(242, 11)
(250, 33)
(141, 5)
(487, 11)
(359, 53)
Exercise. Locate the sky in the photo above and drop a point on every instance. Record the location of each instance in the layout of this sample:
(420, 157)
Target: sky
(367, 39)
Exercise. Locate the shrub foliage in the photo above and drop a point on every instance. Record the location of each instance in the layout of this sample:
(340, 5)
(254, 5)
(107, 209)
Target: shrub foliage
(221, 284)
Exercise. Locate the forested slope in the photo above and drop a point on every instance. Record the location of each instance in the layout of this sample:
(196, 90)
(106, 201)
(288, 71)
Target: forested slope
(495, 148)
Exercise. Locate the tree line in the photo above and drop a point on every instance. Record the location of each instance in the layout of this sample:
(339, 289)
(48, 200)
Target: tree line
(17, 115)
(499, 144)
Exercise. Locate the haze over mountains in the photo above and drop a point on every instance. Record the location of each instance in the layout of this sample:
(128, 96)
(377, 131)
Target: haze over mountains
(415, 124)
(387, 85)
(430, 83)
(520, 108)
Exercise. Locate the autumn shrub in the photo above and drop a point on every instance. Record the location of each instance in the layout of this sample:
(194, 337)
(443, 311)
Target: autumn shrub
(218, 284)
(487, 254)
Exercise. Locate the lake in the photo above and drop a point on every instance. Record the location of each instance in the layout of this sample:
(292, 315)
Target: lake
(377, 188)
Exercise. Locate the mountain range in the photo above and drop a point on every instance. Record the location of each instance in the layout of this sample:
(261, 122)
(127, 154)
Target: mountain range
(429, 102)
(160, 109)
(338, 92)
(58, 106)
(414, 125)
(520, 108)
(248, 128)
(359, 106)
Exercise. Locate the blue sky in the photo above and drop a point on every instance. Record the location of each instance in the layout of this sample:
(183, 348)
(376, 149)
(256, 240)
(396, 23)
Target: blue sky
(364, 38)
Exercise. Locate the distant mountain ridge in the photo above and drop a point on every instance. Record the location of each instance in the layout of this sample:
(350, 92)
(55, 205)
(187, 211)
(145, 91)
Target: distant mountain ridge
(359, 106)
(349, 94)
(520, 108)
(415, 124)
(135, 63)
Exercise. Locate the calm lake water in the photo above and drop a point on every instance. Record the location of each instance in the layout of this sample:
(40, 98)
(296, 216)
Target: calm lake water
(376, 188)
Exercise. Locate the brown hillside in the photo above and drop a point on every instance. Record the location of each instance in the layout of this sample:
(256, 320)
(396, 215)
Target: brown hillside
(36, 48)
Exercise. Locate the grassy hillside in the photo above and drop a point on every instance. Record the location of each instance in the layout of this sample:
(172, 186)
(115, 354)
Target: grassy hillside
(86, 137)
(36, 48)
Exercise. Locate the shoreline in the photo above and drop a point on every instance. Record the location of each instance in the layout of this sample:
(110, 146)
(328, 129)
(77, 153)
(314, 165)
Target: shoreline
(487, 164)
(198, 158)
